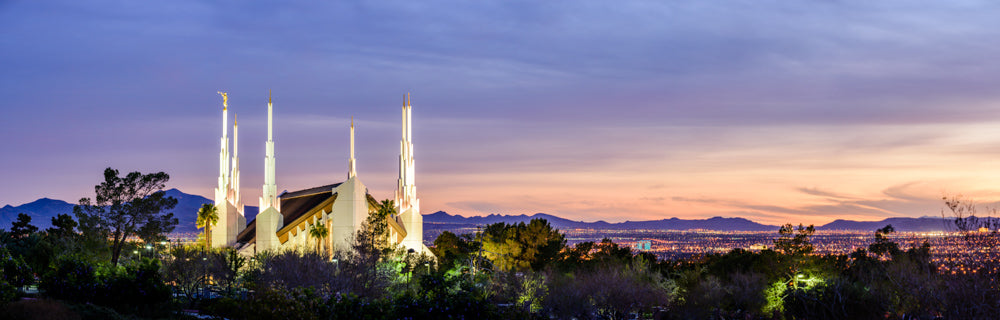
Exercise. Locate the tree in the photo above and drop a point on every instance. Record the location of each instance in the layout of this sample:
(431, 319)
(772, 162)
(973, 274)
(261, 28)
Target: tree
(208, 216)
(370, 248)
(225, 266)
(794, 241)
(882, 245)
(124, 206)
(379, 228)
(522, 246)
(22, 227)
(62, 226)
(319, 232)
(186, 271)
(450, 248)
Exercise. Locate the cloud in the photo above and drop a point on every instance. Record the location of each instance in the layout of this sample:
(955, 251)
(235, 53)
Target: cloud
(823, 193)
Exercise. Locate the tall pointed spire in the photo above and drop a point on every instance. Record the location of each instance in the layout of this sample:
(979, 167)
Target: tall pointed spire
(224, 147)
(407, 203)
(236, 135)
(234, 177)
(269, 197)
(406, 190)
(351, 170)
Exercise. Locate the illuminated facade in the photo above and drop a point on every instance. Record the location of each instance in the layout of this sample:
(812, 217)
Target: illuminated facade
(285, 220)
(227, 193)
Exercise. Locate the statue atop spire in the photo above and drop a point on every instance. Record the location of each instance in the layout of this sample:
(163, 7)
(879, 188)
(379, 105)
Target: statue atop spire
(225, 99)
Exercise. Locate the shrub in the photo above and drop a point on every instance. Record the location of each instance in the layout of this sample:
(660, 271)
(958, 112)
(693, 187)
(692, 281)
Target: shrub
(71, 279)
(609, 292)
(14, 271)
(135, 289)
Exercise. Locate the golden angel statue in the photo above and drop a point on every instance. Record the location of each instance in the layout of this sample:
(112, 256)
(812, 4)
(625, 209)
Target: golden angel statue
(225, 99)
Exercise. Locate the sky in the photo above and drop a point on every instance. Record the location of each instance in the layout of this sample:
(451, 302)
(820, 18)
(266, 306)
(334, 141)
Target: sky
(776, 111)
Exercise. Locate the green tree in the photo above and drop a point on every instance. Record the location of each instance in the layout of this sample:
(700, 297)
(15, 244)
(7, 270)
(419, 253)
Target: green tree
(379, 227)
(208, 216)
(450, 248)
(125, 205)
(63, 226)
(522, 246)
(794, 241)
(319, 232)
(22, 227)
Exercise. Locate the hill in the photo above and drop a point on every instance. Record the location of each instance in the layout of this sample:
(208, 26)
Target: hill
(716, 223)
(43, 210)
(922, 224)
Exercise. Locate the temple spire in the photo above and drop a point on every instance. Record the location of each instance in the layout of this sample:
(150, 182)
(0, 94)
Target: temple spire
(224, 146)
(269, 197)
(352, 170)
(406, 190)
(236, 135)
(407, 204)
(234, 177)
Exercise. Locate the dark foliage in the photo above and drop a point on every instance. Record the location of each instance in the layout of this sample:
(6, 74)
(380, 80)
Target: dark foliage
(127, 206)
(135, 289)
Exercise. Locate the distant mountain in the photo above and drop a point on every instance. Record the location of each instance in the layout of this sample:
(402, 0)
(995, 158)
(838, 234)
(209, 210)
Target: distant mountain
(923, 224)
(717, 223)
(43, 210)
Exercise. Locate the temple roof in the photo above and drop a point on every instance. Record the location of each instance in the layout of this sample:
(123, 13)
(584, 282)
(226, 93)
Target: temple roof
(293, 205)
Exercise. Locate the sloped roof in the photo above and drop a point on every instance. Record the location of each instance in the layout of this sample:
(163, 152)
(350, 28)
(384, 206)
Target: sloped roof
(293, 205)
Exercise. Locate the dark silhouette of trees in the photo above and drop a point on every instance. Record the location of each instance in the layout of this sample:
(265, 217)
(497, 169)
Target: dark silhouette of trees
(22, 226)
(63, 226)
(127, 206)
(794, 241)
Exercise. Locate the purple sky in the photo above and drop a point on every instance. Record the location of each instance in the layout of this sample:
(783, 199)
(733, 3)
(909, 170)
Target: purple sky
(802, 111)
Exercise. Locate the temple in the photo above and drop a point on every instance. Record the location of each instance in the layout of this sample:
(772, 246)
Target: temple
(285, 220)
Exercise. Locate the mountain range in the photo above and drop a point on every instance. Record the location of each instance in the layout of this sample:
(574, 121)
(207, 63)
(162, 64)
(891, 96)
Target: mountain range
(43, 210)
(443, 220)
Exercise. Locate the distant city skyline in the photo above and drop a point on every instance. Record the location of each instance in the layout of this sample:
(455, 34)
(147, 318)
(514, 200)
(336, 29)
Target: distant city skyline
(797, 112)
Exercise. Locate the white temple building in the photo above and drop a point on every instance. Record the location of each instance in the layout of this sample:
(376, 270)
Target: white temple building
(284, 220)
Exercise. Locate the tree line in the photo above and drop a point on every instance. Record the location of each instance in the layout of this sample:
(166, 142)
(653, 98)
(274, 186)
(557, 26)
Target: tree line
(86, 268)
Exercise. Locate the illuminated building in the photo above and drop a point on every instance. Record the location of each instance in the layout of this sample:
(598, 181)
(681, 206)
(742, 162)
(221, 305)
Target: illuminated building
(284, 220)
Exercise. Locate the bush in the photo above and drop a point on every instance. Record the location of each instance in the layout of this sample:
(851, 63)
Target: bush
(135, 289)
(609, 292)
(14, 273)
(283, 303)
(72, 280)
(835, 298)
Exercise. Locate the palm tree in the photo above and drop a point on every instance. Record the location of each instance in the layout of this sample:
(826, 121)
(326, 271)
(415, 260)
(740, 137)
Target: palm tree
(379, 227)
(208, 216)
(319, 231)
